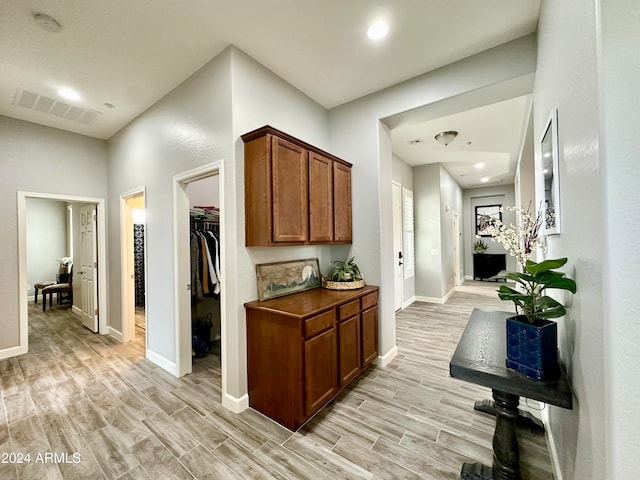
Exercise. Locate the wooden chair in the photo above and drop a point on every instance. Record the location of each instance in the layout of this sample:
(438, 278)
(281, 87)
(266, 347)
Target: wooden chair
(64, 292)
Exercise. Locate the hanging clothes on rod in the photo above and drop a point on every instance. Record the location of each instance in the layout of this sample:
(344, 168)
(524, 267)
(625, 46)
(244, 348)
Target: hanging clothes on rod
(205, 252)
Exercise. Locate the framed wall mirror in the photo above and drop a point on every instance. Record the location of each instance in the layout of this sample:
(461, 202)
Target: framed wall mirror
(550, 174)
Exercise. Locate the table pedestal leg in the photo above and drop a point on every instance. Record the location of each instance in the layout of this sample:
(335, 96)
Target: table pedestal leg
(525, 419)
(506, 456)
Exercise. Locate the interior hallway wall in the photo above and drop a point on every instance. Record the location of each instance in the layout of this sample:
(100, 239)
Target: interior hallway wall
(567, 79)
(44, 160)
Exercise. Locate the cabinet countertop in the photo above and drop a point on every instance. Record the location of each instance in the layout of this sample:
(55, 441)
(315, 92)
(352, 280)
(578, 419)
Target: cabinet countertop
(310, 302)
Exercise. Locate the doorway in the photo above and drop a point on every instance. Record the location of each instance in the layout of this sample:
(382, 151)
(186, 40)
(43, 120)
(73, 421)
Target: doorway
(183, 286)
(133, 266)
(99, 287)
(456, 250)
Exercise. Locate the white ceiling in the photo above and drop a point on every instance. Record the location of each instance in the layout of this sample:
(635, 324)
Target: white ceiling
(488, 142)
(130, 53)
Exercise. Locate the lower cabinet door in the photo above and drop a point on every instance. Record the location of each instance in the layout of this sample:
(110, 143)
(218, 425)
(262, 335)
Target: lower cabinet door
(349, 341)
(369, 333)
(321, 370)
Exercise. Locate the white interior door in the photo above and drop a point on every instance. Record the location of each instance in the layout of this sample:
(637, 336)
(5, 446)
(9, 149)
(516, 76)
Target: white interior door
(88, 267)
(397, 247)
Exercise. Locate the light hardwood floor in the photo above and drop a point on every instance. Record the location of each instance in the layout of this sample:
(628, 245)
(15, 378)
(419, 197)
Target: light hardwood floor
(125, 418)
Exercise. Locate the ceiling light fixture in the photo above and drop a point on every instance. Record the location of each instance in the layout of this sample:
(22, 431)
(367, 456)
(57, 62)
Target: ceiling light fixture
(69, 94)
(47, 23)
(446, 138)
(377, 31)
(415, 141)
(484, 179)
(479, 166)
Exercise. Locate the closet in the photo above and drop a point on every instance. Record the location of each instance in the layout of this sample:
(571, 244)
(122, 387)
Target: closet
(206, 282)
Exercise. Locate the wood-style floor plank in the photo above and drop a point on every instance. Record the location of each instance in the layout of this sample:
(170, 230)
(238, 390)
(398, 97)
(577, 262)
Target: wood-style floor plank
(127, 419)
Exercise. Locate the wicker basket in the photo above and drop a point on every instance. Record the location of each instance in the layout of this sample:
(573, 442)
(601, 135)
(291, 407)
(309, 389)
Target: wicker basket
(342, 285)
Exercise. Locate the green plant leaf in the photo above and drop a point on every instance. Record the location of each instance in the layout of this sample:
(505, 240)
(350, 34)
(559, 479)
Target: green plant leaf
(537, 268)
(558, 280)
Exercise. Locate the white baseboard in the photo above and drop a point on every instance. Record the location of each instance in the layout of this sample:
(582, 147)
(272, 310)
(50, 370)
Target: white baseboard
(446, 297)
(428, 299)
(117, 334)
(13, 351)
(76, 310)
(162, 363)
(384, 360)
(408, 302)
(235, 404)
(468, 277)
(553, 452)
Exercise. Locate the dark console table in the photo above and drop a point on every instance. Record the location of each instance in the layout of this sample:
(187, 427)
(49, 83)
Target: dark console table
(486, 265)
(480, 359)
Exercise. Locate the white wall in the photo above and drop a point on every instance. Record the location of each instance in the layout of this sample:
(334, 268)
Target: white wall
(47, 232)
(450, 202)
(567, 78)
(356, 136)
(189, 127)
(204, 192)
(428, 237)
(477, 197)
(45, 160)
(620, 144)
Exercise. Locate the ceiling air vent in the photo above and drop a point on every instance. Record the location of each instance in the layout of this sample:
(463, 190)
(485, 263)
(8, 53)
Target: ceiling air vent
(40, 103)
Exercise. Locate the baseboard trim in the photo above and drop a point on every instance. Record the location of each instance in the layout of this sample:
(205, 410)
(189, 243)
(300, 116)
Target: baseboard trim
(384, 360)
(235, 404)
(428, 299)
(446, 297)
(76, 310)
(13, 351)
(117, 334)
(408, 302)
(553, 452)
(468, 277)
(162, 363)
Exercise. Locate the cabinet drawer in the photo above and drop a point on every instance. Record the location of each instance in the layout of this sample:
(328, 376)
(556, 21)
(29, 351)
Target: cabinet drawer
(319, 323)
(370, 300)
(349, 309)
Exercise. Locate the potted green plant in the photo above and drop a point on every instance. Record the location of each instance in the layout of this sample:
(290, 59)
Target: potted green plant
(344, 275)
(479, 246)
(532, 338)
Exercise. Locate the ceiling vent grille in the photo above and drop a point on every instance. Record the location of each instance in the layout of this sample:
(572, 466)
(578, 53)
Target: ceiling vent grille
(40, 103)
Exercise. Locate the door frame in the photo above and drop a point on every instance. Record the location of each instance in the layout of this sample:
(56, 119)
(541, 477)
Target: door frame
(126, 252)
(457, 278)
(396, 190)
(103, 319)
(182, 267)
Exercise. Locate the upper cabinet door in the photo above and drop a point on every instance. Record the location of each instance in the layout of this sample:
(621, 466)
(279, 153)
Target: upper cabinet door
(320, 198)
(341, 203)
(290, 191)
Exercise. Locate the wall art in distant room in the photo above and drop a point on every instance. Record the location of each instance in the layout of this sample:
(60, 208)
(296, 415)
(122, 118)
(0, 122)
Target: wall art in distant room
(486, 217)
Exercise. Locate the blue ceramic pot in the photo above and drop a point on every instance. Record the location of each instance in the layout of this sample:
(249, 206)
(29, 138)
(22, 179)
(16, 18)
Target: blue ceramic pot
(532, 348)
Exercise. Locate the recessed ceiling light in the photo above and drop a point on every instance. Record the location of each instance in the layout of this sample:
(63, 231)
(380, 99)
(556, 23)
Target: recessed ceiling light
(479, 166)
(109, 105)
(47, 23)
(484, 179)
(69, 94)
(377, 31)
(415, 141)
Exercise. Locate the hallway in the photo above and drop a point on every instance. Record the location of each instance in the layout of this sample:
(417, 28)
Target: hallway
(76, 392)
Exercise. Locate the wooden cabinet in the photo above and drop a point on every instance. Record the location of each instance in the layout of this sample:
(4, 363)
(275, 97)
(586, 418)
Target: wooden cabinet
(295, 194)
(289, 178)
(303, 348)
(486, 265)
